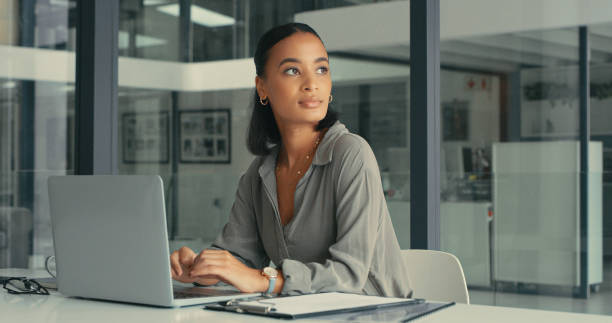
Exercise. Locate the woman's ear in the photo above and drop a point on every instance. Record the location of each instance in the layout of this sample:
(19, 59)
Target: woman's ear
(260, 87)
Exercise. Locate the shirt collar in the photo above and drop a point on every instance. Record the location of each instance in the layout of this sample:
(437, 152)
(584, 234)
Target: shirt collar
(326, 147)
(322, 156)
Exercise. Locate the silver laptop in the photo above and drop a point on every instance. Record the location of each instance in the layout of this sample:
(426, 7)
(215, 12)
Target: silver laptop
(111, 243)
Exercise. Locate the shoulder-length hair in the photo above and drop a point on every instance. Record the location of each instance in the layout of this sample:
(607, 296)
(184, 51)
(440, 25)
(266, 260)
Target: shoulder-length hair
(263, 130)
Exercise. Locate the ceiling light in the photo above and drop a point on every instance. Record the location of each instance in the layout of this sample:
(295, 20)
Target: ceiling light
(9, 85)
(154, 2)
(141, 40)
(67, 88)
(63, 3)
(199, 15)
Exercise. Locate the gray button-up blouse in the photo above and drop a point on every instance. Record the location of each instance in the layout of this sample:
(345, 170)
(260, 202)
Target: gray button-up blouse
(340, 237)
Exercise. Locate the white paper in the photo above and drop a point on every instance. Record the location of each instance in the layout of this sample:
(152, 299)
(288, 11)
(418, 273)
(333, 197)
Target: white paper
(314, 303)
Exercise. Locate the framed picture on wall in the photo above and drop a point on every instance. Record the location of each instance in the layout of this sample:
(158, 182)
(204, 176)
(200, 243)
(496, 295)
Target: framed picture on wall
(145, 137)
(455, 122)
(205, 136)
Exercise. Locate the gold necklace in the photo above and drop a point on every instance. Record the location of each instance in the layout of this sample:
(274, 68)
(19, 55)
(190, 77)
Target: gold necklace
(306, 159)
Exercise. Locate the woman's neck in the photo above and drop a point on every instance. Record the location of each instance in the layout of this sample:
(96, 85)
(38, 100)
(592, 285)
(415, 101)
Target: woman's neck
(297, 142)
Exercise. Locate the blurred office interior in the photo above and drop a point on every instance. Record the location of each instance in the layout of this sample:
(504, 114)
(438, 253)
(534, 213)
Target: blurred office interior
(509, 109)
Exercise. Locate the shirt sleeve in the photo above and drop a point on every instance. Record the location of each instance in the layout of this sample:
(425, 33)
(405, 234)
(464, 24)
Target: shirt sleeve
(240, 235)
(360, 203)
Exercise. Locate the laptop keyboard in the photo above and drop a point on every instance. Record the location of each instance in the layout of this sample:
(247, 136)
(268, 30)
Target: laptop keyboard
(202, 292)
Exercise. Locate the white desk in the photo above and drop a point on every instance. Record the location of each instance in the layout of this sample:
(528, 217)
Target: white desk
(57, 308)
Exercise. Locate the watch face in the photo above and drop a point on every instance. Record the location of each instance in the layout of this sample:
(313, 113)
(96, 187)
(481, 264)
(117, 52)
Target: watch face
(270, 272)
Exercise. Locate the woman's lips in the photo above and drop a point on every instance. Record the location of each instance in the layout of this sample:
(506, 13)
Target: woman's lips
(310, 103)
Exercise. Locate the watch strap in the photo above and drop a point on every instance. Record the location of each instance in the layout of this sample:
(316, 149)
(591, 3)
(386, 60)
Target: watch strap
(272, 281)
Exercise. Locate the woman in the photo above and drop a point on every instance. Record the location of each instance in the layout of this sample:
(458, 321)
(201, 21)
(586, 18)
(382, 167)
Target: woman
(312, 202)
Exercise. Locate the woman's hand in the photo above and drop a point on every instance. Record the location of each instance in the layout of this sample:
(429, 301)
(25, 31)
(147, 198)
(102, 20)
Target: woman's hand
(181, 263)
(223, 265)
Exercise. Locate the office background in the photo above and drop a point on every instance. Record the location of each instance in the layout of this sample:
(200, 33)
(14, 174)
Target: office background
(514, 85)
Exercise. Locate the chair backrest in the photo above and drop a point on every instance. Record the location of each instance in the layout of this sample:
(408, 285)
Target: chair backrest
(436, 275)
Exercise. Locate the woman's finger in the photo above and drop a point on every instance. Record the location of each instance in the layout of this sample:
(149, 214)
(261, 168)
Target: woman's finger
(207, 280)
(186, 260)
(175, 265)
(208, 270)
(215, 252)
(186, 256)
(210, 262)
(218, 254)
(207, 258)
(186, 251)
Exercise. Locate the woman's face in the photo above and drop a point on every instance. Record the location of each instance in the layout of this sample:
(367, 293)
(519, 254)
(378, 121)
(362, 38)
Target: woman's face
(297, 80)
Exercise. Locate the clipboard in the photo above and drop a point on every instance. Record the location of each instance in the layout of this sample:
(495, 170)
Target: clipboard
(294, 307)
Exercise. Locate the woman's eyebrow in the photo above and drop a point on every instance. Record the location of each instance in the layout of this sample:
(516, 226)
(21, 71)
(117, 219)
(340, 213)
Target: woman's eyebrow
(295, 60)
(289, 59)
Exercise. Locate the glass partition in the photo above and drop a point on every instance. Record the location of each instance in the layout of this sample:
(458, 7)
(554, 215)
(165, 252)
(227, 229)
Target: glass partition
(509, 89)
(510, 159)
(36, 122)
(600, 37)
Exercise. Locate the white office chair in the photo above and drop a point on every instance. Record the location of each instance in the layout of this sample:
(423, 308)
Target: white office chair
(436, 276)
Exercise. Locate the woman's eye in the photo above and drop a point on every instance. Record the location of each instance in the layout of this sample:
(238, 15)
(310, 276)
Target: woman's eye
(291, 71)
(322, 70)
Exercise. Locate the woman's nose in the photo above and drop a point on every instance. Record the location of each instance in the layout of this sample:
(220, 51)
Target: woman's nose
(310, 83)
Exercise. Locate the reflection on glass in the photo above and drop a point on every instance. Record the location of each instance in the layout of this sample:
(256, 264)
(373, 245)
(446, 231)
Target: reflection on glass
(510, 161)
(378, 111)
(600, 86)
(36, 123)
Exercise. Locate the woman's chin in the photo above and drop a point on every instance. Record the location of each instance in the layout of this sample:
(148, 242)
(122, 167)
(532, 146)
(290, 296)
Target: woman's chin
(316, 119)
(310, 116)
(316, 114)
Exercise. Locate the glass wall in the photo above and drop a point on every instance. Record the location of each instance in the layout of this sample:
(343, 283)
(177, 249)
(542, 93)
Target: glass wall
(509, 110)
(185, 116)
(600, 37)
(37, 41)
(510, 166)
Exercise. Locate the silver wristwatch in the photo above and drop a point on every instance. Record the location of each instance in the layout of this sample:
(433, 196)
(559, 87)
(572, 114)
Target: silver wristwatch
(271, 274)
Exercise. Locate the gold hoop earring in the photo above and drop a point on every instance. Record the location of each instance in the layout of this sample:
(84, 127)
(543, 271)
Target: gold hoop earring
(331, 98)
(261, 101)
